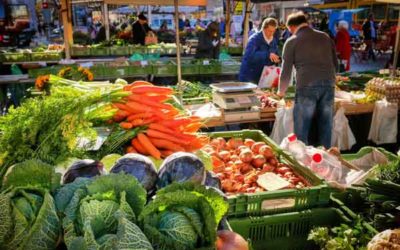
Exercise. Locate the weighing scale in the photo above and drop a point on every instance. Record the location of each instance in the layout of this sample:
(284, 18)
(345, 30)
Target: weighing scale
(238, 99)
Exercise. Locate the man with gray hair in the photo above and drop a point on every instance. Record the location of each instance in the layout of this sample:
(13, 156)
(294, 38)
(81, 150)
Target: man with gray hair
(312, 53)
(262, 50)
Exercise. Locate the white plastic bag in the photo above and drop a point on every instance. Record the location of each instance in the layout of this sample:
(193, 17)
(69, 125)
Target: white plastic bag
(269, 77)
(283, 124)
(384, 123)
(342, 136)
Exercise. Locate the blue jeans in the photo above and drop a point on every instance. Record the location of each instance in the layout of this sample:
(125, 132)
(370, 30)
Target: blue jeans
(314, 100)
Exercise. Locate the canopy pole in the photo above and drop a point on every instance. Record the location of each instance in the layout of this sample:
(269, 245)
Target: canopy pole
(178, 50)
(227, 22)
(106, 21)
(68, 38)
(396, 48)
(246, 25)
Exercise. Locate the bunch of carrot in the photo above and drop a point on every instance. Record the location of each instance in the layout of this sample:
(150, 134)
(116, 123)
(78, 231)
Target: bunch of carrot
(166, 129)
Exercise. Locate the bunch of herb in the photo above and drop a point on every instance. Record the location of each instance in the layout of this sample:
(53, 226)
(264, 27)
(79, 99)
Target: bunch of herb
(48, 127)
(389, 171)
(343, 237)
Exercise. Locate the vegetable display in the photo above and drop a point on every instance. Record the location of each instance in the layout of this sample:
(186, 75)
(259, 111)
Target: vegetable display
(183, 216)
(165, 129)
(343, 237)
(27, 210)
(239, 163)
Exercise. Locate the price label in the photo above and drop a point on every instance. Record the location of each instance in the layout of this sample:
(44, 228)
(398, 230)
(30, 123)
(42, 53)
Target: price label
(121, 72)
(243, 99)
(144, 63)
(206, 62)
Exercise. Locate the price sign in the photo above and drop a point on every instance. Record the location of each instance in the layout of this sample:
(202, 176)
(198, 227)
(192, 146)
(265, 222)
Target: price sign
(144, 63)
(206, 62)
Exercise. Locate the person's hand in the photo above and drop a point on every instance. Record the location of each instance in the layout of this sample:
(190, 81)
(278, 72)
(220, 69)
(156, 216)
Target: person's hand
(280, 94)
(215, 43)
(274, 57)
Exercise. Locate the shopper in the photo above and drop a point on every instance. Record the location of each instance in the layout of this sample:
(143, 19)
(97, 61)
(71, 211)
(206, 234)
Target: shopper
(140, 29)
(343, 46)
(163, 27)
(261, 50)
(312, 53)
(370, 35)
(208, 46)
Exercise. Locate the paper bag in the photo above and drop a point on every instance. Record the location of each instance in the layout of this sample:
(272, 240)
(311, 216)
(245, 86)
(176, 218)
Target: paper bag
(269, 77)
(342, 136)
(384, 123)
(283, 124)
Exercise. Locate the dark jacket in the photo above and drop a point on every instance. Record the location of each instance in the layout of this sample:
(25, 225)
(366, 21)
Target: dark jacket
(313, 54)
(205, 47)
(256, 57)
(139, 32)
(367, 30)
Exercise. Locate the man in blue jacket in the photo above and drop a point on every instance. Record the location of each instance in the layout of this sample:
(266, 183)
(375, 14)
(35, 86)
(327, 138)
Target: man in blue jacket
(262, 50)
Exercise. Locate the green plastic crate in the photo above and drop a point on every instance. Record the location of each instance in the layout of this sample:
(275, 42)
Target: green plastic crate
(98, 71)
(137, 70)
(33, 73)
(214, 67)
(15, 57)
(154, 50)
(137, 49)
(119, 51)
(235, 50)
(230, 67)
(286, 200)
(45, 56)
(289, 231)
(80, 51)
(164, 68)
(100, 51)
(190, 68)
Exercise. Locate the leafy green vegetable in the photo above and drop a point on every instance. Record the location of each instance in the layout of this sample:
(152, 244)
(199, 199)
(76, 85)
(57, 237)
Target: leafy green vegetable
(389, 171)
(343, 237)
(32, 173)
(100, 213)
(183, 216)
(27, 210)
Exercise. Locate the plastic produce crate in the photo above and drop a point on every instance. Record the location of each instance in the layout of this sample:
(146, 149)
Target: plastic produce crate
(33, 73)
(235, 50)
(100, 51)
(137, 49)
(46, 56)
(80, 51)
(279, 201)
(230, 67)
(15, 57)
(289, 231)
(135, 70)
(98, 71)
(167, 68)
(190, 68)
(214, 67)
(119, 51)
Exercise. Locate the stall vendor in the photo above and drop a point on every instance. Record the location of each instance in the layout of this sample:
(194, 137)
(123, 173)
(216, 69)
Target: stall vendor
(208, 46)
(140, 29)
(262, 50)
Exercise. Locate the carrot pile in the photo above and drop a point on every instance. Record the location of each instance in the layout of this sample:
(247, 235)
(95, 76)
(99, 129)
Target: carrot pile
(166, 129)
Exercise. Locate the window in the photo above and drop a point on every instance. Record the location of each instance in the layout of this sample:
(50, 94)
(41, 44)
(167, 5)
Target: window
(393, 12)
(379, 11)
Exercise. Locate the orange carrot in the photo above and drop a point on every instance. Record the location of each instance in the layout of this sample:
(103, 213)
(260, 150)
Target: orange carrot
(146, 143)
(120, 115)
(135, 107)
(193, 127)
(162, 128)
(130, 149)
(161, 135)
(122, 106)
(152, 89)
(139, 116)
(138, 146)
(166, 153)
(143, 100)
(165, 144)
(126, 125)
(157, 98)
(141, 83)
(176, 123)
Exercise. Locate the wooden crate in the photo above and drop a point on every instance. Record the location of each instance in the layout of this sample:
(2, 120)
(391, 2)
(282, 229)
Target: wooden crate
(356, 108)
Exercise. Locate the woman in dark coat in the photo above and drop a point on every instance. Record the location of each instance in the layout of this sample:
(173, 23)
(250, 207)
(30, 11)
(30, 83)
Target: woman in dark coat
(208, 46)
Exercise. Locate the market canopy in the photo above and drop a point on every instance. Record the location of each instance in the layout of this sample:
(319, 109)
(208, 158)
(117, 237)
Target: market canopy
(158, 2)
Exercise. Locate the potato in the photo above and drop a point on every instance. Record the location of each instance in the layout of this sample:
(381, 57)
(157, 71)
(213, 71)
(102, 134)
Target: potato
(256, 147)
(249, 142)
(258, 161)
(246, 156)
(267, 152)
(224, 156)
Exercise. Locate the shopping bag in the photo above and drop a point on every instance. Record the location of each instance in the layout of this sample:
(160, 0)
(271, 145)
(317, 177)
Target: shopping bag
(269, 77)
(283, 124)
(384, 123)
(342, 136)
(150, 38)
